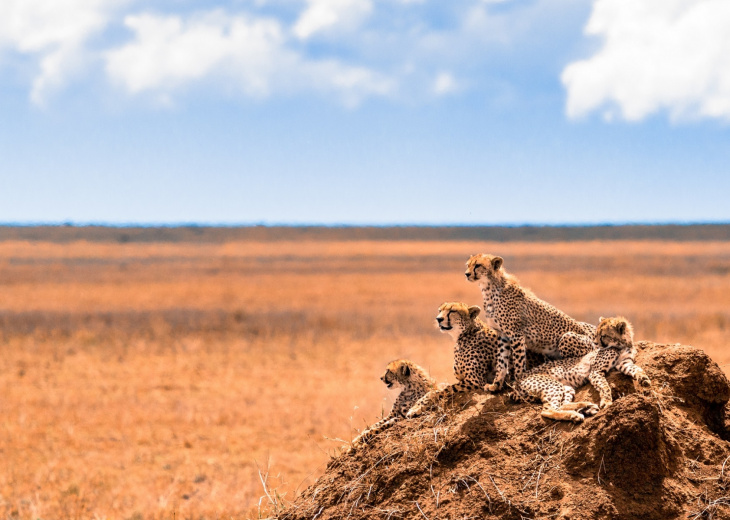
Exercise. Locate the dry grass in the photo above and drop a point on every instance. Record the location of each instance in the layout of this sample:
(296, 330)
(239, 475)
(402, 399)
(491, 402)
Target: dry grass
(163, 380)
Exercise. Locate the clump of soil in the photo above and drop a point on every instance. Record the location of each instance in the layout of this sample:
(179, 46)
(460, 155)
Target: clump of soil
(660, 455)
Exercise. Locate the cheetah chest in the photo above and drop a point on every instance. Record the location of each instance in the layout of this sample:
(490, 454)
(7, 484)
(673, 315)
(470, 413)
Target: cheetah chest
(473, 362)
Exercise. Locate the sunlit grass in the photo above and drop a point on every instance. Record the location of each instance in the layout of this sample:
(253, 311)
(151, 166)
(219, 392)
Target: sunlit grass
(157, 380)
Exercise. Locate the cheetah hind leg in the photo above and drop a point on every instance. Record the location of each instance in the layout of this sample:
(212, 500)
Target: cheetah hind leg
(557, 404)
(585, 408)
(561, 415)
(568, 395)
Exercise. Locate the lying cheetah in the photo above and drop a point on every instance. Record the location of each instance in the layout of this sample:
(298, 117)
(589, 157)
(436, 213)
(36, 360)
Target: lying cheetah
(476, 353)
(526, 321)
(415, 383)
(555, 382)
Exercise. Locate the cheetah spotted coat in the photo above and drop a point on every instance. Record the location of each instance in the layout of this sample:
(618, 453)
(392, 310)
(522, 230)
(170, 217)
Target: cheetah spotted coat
(555, 382)
(525, 321)
(477, 353)
(414, 383)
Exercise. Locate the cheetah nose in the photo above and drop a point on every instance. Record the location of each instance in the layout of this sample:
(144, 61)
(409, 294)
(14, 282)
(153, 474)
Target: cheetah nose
(467, 274)
(439, 320)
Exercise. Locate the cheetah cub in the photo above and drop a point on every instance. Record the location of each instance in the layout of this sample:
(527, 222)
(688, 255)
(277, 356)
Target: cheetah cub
(555, 382)
(414, 383)
(524, 320)
(477, 351)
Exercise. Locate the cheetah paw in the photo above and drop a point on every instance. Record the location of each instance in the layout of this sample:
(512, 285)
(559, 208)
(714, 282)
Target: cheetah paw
(589, 411)
(414, 412)
(494, 387)
(604, 404)
(642, 384)
(577, 417)
(358, 441)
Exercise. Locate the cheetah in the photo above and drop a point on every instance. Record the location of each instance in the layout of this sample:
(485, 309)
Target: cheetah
(477, 350)
(555, 382)
(414, 383)
(524, 320)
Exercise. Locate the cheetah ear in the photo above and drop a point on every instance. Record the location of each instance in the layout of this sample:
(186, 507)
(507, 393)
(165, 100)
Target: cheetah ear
(405, 370)
(600, 319)
(474, 311)
(497, 262)
(621, 327)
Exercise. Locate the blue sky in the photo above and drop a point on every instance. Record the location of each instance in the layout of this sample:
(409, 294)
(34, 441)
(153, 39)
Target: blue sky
(364, 111)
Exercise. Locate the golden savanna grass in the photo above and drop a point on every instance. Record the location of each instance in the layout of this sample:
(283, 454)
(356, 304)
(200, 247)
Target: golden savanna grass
(163, 380)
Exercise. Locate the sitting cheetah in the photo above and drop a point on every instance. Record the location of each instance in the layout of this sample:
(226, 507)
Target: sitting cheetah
(524, 320)
(555, 382)
(415, 383)
(476, 353)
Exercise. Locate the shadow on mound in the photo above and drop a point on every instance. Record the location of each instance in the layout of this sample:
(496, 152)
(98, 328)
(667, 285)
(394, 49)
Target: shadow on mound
(657, 456)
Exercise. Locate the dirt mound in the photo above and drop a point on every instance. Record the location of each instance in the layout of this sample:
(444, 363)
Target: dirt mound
(656, 456)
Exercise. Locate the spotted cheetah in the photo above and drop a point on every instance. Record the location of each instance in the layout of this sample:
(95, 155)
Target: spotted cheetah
(414, 383)
(477, 350)
(524, 320)
(555, 382)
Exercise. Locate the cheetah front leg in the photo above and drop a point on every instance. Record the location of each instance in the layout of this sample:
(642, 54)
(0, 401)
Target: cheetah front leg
(367, 434)
(598, 380)
(518, 354)
(503, 362)
(424, 403)
(641, 380)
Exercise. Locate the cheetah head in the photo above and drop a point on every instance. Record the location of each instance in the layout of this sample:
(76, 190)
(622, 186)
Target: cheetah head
(397, 373)
(615, 332)
(454, 317)
(483, 266)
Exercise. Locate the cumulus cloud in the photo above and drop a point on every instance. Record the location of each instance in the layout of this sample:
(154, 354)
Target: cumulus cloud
(355, 49)
(249, 53)
(56, 32)
(322, 15)
(656, 55)
(168, 51)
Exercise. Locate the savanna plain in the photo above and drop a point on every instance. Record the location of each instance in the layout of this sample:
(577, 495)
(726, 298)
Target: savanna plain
(215, 379)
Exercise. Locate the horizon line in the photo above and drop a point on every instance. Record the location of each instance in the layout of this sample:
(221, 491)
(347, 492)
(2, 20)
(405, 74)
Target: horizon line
(211, 224)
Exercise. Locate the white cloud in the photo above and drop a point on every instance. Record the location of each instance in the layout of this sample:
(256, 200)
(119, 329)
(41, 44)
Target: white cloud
(322, 15)
(247, 53)
(408, 50)
(56, 32)
(445, 83)
(657, 55)
(168, 52)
